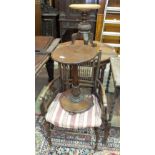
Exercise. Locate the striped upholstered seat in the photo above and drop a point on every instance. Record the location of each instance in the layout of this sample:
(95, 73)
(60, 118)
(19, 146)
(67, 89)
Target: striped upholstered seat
(61, 118)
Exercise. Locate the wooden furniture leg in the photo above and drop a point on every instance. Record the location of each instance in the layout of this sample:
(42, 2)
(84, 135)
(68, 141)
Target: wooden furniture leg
(47, 127)
(97, 138)
(108, 80)
(75, 86)
(50, 69)
(106, 131)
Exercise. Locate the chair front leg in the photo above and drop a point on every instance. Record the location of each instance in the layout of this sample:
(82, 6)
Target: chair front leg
(106, 131)
(47, 128)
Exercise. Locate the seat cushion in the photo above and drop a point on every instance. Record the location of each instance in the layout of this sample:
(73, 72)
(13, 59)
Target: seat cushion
(61, 118)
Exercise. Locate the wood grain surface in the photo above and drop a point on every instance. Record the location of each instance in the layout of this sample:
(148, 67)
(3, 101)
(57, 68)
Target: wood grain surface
(68, 105)
(107, 51)
(42, 43)
(74, 54)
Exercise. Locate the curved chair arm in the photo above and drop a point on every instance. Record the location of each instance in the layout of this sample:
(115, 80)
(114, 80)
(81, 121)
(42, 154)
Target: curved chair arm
(102, 99)
(46, 96)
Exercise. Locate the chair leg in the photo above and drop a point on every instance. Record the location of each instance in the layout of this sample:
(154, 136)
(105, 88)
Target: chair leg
(75, 36)
(108, 80)
(97, 138)
(106, 131)
(47, 127)
(91, 36)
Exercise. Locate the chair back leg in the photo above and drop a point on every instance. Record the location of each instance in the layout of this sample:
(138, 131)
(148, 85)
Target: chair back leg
(97, 138)
(106, 131)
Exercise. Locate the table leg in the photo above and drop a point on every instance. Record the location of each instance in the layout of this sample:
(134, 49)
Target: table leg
(72, 100)
(75, 87)
(50, 69)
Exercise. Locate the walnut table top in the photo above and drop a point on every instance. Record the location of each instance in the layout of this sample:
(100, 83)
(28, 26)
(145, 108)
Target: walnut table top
(74, 54)
(107, 51)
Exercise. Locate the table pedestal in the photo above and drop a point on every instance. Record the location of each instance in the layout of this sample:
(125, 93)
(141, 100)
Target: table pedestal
(66, 102)
(74, 55)
(72, 100)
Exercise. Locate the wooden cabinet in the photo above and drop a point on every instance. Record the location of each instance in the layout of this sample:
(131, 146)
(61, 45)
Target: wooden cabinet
(49, 18)
(37, 17)
(50, 24)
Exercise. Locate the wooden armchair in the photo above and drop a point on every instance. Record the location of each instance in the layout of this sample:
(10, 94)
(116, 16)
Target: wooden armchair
(90, 84)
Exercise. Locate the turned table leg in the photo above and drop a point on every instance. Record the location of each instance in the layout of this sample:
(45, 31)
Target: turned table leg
(75, 87)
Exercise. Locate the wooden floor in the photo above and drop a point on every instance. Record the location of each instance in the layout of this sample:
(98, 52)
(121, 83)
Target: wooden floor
(42, 80)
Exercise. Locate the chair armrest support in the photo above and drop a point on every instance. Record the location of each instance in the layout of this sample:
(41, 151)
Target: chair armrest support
(45, 97)
(103, 98)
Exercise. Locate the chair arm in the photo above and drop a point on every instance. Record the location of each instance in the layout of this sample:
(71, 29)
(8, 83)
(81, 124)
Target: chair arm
(45, 97)
(103, 98)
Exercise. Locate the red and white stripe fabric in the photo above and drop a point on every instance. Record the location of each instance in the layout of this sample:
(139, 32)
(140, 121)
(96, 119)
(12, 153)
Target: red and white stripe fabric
(61, 118)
